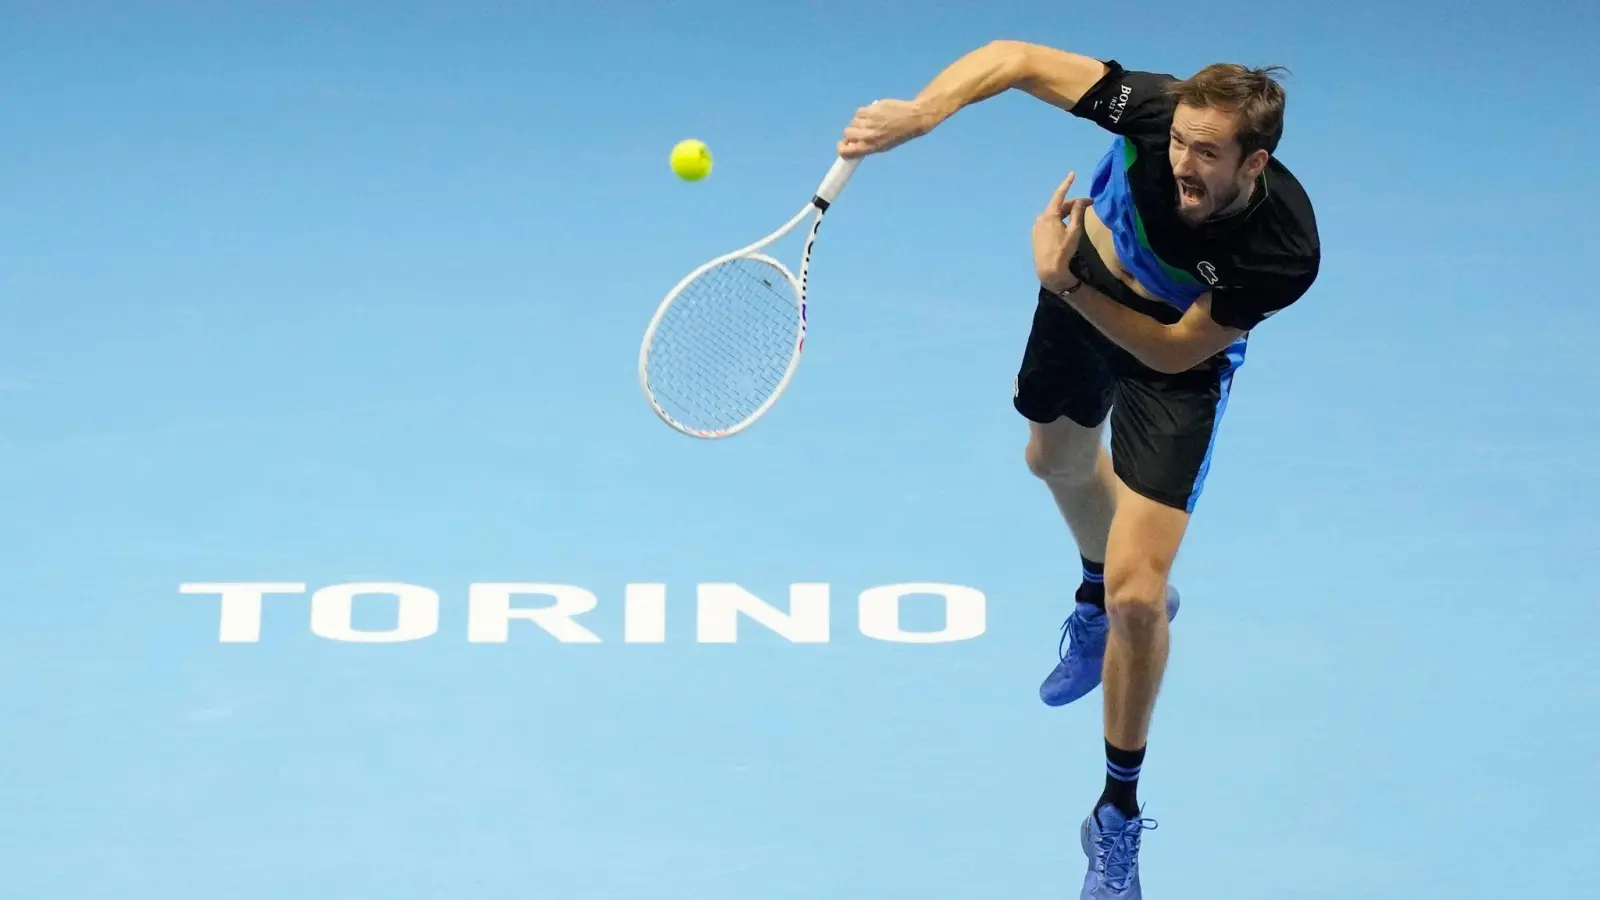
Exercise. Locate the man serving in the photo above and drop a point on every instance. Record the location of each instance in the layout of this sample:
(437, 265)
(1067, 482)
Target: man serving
(1192, 234)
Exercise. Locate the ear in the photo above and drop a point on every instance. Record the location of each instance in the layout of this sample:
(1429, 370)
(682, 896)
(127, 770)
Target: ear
(1256, 162)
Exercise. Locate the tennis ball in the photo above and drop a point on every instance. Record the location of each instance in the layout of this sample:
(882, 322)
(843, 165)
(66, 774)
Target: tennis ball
(691, 160)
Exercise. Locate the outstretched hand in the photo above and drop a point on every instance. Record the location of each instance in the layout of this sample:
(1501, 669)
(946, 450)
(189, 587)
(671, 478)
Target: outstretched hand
(883, 125)
(1055, 237)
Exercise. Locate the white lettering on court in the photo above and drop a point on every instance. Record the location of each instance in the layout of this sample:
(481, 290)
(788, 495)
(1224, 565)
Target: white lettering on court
(333, 608)
(239, 621)
(490, 612)
(722, 611)
(879, 613)
(644, 616)
(718, 607)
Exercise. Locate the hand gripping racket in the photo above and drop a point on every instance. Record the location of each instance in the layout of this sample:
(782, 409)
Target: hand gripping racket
(724, 343)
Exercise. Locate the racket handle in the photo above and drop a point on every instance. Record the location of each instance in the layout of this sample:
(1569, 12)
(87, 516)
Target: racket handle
(834, 181)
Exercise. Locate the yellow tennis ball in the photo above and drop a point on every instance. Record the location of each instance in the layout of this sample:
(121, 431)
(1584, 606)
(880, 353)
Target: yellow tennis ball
(691, 160)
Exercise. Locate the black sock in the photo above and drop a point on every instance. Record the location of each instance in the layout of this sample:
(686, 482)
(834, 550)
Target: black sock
(1093, 588)
(1122, 779)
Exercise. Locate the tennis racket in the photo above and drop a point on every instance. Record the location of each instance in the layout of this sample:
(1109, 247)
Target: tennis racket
(724, 343)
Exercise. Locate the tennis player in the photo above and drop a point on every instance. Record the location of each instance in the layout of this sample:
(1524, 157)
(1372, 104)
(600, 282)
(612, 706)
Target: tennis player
(1191, 235)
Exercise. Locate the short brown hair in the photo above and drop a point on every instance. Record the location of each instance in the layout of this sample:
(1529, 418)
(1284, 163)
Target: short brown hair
(1253, 94)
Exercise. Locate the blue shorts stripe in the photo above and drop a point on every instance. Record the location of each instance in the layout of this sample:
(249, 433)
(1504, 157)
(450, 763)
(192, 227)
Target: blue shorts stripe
(1235, 357)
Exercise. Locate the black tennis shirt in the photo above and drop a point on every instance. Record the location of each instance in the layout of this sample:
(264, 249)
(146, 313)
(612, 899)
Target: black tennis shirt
(1255, 261)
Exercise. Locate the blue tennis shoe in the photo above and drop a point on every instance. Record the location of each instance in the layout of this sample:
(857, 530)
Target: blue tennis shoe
(1111, 842)
(1082, 652)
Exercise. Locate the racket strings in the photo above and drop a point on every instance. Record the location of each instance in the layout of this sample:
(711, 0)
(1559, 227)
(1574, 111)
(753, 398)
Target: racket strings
(723, 345)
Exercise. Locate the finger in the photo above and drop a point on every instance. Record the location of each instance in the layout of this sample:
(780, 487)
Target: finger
(1074, 214)
(852, 149)
(1055, 207)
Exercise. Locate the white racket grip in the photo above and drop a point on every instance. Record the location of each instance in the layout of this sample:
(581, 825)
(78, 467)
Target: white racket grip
(834, 181)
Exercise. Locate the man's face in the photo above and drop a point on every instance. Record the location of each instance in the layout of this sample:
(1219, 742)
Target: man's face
(1211, 171)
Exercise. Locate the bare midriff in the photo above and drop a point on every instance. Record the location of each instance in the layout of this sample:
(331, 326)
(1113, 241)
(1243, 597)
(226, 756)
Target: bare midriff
(1100, 236)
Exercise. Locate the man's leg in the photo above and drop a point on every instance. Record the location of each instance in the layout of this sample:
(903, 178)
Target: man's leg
(1064, 389)
(1071, 460)
(1073, 463)
(1162, 432)
(1140, 550)
(1143, 543)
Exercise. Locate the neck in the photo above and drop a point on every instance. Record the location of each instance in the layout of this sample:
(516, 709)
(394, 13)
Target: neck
(1239, 202)
(1242, 200)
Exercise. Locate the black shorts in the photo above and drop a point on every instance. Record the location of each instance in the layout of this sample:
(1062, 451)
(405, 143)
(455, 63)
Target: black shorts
(1162, 426)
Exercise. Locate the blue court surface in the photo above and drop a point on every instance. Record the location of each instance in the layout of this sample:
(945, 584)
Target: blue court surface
(346, 299)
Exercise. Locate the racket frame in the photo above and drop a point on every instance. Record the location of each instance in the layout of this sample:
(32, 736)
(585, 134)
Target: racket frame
(817, 206)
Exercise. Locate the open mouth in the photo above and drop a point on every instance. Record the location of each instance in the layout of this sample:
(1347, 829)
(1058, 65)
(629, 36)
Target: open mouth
(1191, 191)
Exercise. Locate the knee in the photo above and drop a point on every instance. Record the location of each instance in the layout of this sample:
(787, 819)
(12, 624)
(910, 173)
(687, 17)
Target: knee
(1136, 598)
(1059, 461)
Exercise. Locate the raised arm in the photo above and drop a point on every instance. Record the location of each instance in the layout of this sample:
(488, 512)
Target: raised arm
(1057, 77)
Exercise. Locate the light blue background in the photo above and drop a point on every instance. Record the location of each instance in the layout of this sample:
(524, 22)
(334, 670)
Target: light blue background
(317, 293)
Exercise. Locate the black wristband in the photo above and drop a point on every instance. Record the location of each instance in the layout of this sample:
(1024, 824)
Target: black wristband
(1075, 269)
